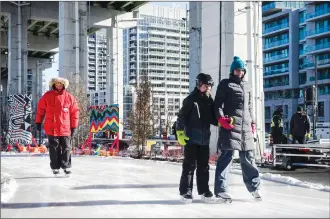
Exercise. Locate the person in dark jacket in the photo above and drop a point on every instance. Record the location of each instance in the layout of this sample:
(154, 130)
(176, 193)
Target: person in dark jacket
(233, 108)
(300, 127)
(277, 127)
(193, 131)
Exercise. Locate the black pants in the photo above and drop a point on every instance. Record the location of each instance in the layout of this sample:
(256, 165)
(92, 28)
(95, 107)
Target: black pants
(60, 152)
(193, 154)
(300, 139)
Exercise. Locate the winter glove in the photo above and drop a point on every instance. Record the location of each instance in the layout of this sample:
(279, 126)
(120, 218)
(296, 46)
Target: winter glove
(38, 126)
(291, 137)
(308, 136)
(73, 131)
(253, 126)
(182, 137)
(226, 122)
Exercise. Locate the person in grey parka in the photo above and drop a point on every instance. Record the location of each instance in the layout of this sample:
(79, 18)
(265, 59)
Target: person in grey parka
(233, 109)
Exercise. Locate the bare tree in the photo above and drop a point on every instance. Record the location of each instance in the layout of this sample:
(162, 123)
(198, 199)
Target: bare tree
(79, 91)
(140, 118)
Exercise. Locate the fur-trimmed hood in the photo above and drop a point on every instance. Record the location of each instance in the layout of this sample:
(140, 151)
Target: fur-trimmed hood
(64, 81)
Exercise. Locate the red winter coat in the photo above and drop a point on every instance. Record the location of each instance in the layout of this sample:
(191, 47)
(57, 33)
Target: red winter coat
(61, 110)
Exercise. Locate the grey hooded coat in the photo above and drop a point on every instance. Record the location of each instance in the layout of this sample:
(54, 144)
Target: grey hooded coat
(233, 98)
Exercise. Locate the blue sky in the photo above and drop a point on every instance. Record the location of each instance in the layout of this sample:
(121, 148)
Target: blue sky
(52, 72)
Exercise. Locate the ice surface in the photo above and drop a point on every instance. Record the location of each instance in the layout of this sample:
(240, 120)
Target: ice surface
(114, 187)
(8, 186)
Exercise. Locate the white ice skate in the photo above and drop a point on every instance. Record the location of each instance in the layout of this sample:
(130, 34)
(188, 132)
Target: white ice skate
(56, 173)
(186, 198)
(223, 197)
(257, 195)
(67, 172)
(207, 197)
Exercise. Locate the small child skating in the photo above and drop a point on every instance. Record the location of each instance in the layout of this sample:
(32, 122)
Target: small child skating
(193, 131)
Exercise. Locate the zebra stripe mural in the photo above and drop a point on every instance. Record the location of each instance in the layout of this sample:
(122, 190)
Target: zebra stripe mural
(20, 113)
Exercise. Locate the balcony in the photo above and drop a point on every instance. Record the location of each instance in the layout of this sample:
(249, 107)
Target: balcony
(318, 48)
(276, 44)
(324, 63)
(318, 32)
(274, 29)
(276, 72)
(272, 7)
(324, 76)
(325, 12)
(275, 58)
(272, 84)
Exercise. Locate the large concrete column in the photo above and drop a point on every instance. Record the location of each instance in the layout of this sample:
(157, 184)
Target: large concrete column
(24, 47)
(12, 52)
(83, 70)
(110, 62)
(67, 47)
(17, 49)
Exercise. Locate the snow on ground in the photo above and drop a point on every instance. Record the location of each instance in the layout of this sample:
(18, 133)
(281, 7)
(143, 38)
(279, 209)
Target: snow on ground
(115, 187)
(8, 186)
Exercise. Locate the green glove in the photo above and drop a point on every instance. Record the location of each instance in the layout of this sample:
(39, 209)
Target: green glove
(308, 136)
(182, 137)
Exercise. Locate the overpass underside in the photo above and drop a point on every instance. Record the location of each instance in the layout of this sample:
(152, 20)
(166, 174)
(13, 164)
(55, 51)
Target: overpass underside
(31, 32)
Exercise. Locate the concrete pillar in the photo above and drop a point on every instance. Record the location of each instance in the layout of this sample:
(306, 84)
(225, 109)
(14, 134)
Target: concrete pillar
(110, 62)
(67, 53)
(17, 49)
(83, 70)
(24, 47)
(12, 52)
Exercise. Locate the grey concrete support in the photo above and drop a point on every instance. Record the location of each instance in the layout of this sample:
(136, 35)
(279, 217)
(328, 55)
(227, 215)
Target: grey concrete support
(67, 53)
(17, 49)
(83, 70)
(110, 60)
(24, 46)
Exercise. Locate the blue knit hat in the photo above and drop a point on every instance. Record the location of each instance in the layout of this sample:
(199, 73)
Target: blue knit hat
(237, 64)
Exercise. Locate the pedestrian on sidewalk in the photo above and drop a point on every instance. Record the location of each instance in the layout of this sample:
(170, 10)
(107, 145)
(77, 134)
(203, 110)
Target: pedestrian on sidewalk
(193, 131)
(61, 113)
(233, 109)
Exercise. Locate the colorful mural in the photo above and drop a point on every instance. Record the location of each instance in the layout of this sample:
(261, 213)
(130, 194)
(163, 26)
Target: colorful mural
(104, 118)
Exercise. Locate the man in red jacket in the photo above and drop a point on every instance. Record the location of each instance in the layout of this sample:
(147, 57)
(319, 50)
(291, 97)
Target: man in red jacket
(61, 113)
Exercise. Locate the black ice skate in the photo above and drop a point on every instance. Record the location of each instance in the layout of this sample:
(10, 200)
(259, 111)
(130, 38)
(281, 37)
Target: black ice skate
(223, 197)
(207, 197)
(67, 172)
(257, 195)
(56, 172)
(186, 198)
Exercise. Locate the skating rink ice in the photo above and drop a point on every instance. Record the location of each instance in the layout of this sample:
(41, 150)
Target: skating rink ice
(119, 187)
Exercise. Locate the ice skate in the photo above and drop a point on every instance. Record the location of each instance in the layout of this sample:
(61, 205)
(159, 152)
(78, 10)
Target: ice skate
(257, 195)
(67, 172)
(56, 172)
(186, 198)
(207, 197)
(223, 197)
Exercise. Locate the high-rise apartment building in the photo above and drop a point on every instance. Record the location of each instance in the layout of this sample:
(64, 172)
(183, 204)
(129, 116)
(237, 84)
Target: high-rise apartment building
(157, 48)
(97, 59)
(294, 33)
